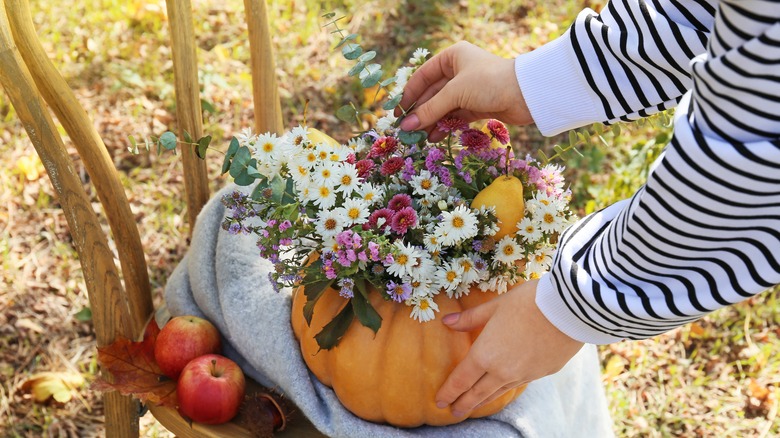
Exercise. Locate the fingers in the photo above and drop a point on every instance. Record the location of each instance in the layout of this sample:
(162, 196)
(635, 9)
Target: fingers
(432, 71)
(470, 319)
(485, 387)
(462, 379)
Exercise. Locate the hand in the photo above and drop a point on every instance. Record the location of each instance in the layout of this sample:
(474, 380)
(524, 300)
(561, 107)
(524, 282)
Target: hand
(467, 82)
(517, 345)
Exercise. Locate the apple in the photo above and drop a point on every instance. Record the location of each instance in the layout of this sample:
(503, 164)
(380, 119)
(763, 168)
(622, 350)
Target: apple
(182, 339)
(210, 389)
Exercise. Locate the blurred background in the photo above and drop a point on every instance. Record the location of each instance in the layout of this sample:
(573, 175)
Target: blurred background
(716, 377)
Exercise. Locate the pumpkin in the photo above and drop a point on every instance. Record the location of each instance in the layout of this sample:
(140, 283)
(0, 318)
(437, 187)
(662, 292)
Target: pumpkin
(391, 376)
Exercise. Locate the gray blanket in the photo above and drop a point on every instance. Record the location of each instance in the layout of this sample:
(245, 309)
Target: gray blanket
(223, 279)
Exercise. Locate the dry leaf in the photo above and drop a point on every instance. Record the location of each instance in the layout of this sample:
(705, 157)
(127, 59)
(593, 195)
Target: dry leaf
(57, 385)
(30, 166)
(615, 366)
(134, 370)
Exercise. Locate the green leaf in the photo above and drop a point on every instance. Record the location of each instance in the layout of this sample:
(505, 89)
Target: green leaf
(392, 103)
(240, 161)
(168, 140)
(231, 152)
(257, 193)
(346, 113)
(278, 186)
(389, 81)
(84, 315)
(203, 146)
(572, 137)
(187, 137)
(351, 51)
(329, 15)
(412, 137)
(616, 130)
(372, 79)
(357, 68)
(350, 37)
(313, 292)
(363, 310)
(368, 56)
(333, 331)
(207, 106)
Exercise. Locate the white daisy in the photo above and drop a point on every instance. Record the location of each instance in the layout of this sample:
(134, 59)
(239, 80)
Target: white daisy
(348, 180)
(419, 55)
(371, 193)
(424, 308)
(457, 225)
(497, 283)
(267, 147)
(323, 195)
(507, 251)
(549, 219)
(404, 260)
(299, 137)
(424, 267)
(432, 242)
(423, 287)
(470, 272)
(358, 144)
(542, 258)
(449, 276)
(326, 173)
(528, 229)
(329, 223)
(385, 123)
(339, 153)
(300, 173)
(355, 211)
(246, 137)
(425, 184)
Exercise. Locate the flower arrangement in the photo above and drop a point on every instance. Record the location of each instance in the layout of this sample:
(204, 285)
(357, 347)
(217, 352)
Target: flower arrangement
(392, 211)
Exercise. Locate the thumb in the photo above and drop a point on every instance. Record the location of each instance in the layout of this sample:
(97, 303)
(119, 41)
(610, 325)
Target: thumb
(434, 109)
(470, 319)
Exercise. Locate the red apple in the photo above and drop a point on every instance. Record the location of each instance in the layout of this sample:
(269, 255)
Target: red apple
(182, 339)
(210, 389)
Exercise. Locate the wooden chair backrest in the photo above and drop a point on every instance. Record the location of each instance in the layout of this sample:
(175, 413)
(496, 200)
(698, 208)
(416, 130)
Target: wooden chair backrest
(31, 81)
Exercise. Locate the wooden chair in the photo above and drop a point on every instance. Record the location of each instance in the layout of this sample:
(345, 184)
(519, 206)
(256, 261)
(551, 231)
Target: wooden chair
(31, 81)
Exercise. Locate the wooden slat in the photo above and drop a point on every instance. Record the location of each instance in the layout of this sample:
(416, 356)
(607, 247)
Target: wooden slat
(93, 153)
(265, 91)
(109, 309)
(300, 427)
(188, 111)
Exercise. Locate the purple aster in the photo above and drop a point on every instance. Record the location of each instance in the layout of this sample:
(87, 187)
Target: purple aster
(409, 171)
(399, 292)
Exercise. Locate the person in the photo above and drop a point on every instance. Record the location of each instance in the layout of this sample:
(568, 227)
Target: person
(704, 230)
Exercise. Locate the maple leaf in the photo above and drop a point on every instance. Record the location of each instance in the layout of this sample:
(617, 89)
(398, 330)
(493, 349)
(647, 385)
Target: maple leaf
(135, 371)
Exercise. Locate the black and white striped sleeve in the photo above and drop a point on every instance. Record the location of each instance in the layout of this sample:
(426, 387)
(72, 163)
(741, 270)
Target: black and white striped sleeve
(629, 61)
(704, 231)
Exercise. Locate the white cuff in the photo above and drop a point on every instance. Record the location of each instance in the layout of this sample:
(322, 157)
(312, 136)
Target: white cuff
(555, 90)
(553, 307)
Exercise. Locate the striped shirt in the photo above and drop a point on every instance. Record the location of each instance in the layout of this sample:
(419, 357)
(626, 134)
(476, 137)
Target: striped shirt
(704, 231)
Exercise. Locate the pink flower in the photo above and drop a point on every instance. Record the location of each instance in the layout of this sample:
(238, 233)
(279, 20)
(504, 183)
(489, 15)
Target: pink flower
(351, 158)
(399, 201)
(498, 131)
(403, 220)
(474, 140)
(382, 213)
(451, 124)
(364, 168)
(392, 166)
(383, 146)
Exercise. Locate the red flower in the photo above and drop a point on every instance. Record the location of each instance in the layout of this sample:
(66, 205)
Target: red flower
(403, 220)
(382, 213)
(364, 168)
(392, 166)
(498, 131)
(451, 124)
(383, 146)
(474, 140)
(399, 202)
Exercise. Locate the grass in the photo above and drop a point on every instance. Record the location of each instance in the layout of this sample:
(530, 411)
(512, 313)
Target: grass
(717, 377)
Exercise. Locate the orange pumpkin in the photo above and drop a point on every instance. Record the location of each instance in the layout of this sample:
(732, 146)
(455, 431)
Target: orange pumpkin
(393, 376)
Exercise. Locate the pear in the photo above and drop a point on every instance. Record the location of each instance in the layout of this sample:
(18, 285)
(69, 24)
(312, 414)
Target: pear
(505, 194)
(316, 136)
